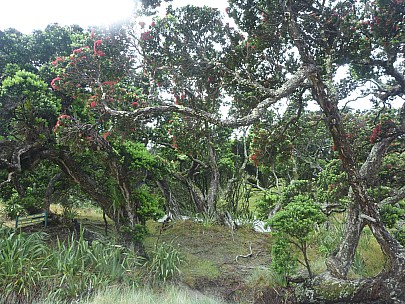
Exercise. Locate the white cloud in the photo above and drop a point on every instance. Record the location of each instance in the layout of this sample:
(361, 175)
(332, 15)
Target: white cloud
(27, 15)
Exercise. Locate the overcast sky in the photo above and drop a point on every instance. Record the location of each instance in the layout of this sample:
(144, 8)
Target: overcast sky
(27, 15)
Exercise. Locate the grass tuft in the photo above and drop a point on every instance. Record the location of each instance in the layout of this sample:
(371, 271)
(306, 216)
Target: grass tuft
(168, 295)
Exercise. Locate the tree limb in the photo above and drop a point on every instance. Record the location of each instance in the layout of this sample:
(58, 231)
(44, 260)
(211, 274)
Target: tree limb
(286, 89)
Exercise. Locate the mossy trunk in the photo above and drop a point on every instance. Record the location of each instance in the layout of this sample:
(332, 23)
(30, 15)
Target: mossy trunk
(328, 289)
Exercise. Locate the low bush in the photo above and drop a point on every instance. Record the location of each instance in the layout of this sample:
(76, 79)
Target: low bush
(31, 269)
(164, 263)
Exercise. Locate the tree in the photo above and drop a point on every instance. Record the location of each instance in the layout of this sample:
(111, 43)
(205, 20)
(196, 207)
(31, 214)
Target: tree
(116, 173)
(295, 44)
(294, 224)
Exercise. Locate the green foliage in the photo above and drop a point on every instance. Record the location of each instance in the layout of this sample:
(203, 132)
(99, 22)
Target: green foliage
(298, 219)
(164, 264)
(390, 214)
(328, 236)
(284, 260)
(68, 213)
(266, 204)
(332, 184)
(288, 193)
(38, 101)
(139, 158)
(400, 235)
(17, 205)
(151, 205)
(136, 233)
(294, 225)
(13, 206)
(22, 262)
(31, 268)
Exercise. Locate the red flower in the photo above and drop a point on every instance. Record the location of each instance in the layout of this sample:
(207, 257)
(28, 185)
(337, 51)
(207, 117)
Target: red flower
(53, 85)
(253, 157)
(96, 44)
(106, 134)
(135, 104)
(93, 104)
(64, 116)
(57, 60)
(376, 133)
(175, 143)
(146, 36)
(109, 82)
(153, 23)
(77, 51)
(99, 53)
(56, 126)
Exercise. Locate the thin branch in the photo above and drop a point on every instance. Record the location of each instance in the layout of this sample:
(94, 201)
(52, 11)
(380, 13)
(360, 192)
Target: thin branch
(245, 256)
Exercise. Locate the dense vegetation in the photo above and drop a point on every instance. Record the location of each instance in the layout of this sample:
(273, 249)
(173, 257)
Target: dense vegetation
(132, 120)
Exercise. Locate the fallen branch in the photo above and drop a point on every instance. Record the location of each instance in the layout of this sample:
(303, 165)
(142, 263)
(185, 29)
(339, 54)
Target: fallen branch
(245, 256)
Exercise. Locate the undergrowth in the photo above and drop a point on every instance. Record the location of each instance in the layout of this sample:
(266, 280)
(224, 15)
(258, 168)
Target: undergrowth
(33, 267)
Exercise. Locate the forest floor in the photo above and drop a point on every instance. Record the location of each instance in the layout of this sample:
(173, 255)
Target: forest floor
(232, 266)
(229, 265)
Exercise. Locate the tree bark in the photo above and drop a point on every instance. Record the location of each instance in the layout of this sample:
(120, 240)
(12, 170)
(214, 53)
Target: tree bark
(340, 262)
(172, 205)
(121, 218)
(212, 195)
(362, 211)
(49, 190)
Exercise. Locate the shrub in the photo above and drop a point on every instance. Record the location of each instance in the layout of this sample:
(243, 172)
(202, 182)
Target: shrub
(21, 260)
(30, 267)
(165, 262)
(14, 207)
(294, 225)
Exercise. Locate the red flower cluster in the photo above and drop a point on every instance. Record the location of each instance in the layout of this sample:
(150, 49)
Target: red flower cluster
(57, 60)
(174, 145)
(254, 159)
(111, 83)
(57, 125)
(146, 36)
(106, 134)
(97, 52)
(77, 51)
(375, 134)
(53, 85)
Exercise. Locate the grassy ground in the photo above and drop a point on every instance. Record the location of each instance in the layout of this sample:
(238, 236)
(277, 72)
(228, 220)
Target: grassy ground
(214, 253)
(229, 265)
(168, 295)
